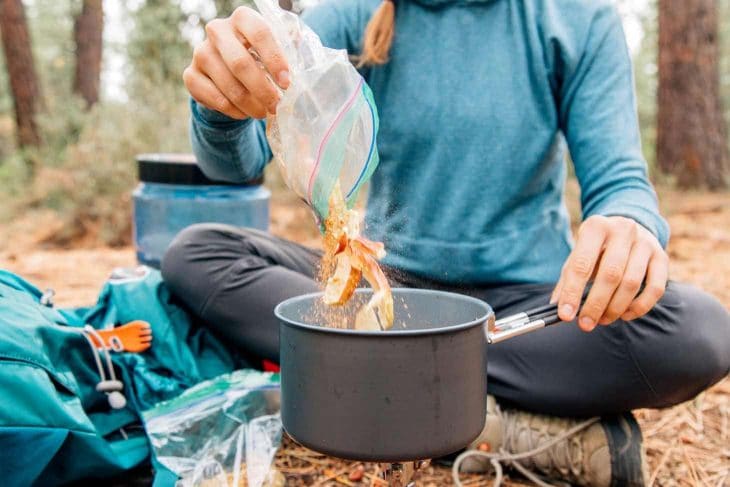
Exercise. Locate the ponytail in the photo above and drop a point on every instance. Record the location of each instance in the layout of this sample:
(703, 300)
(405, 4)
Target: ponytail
(378, 35)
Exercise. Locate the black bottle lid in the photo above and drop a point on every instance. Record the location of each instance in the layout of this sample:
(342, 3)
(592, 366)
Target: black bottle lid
(178, 169)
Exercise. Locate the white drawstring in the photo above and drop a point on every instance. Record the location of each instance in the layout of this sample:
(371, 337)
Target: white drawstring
(91, 331)
(511, 458)
(95, 354)
(112, 387)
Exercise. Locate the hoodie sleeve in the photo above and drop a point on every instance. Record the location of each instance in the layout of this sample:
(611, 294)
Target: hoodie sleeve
(598, 117)
(227, 149)
(237, 150)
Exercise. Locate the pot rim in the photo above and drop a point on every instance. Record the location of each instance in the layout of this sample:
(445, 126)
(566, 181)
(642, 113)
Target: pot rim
(390, 333)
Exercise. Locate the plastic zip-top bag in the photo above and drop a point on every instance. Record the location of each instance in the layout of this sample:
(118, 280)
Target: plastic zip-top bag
(223, 432)
(326, 122)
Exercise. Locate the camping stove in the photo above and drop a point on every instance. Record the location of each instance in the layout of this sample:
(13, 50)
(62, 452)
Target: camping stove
(401, 474)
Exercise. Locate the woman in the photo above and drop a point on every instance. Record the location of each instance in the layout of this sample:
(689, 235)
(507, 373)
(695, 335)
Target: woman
(478, 100)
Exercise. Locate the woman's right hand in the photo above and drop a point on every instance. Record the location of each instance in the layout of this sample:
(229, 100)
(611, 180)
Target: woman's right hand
(225, 77)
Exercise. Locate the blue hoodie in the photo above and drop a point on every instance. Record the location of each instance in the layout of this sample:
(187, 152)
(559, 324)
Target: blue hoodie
(478, 104)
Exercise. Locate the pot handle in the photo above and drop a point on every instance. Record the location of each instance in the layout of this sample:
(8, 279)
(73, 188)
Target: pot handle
(501, 330)
(525, 322)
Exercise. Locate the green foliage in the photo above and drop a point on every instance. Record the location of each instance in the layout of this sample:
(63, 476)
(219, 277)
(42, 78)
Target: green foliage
(7, 130)
(224, 8)
(86, 167)
(157, 52)
(89, 184)
(98, 170)
(645, 74)
(51, 31)
(6, 103)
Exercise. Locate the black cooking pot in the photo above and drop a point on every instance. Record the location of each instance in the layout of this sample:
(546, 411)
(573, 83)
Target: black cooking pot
(416, 391)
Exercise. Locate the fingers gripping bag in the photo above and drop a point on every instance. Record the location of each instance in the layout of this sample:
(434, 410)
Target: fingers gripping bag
(325, 127)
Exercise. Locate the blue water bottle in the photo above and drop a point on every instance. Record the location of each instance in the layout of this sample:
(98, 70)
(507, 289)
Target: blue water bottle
(173, 193)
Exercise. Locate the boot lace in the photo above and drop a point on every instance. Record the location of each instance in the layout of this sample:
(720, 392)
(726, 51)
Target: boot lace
(563, 451)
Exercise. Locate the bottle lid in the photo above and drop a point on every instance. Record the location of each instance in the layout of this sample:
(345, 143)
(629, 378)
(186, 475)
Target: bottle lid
(179, 169)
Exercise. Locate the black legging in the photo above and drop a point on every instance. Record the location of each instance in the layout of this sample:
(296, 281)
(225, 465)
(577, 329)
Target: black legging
(233, 278)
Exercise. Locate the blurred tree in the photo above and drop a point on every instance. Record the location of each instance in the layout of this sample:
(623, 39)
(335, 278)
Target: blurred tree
(224, 8)
(157, 50)
(21, 71)
(725, 59)
(646, 79)
(7, 121)
(6, 102)
(88, 30)
(51, 24)
(691, 132)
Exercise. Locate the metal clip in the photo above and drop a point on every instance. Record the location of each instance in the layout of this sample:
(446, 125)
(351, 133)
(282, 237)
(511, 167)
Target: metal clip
(47, 297)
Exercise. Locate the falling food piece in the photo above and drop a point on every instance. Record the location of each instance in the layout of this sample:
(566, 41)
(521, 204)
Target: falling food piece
(341, 286)
(382, 298)
(365, 246)
(349, 257)
(367, 319)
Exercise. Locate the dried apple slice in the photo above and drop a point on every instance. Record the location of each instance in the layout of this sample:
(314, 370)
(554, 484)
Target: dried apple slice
(376, 249)
(367, 319)
(342, 284)
(382, 298)
(341, 244)
(384, 305)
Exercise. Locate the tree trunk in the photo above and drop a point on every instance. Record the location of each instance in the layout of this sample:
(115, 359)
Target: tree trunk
(691, 132)
(21, 73)
(88, 30)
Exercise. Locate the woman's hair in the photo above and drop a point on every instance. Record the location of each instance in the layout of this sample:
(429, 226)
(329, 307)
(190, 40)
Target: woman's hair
(378, 35)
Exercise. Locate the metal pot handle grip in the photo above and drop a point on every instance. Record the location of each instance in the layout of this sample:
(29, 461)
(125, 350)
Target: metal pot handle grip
(496, 334)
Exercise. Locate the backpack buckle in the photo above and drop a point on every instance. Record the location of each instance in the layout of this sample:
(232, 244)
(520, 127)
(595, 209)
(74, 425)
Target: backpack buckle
(47, 297)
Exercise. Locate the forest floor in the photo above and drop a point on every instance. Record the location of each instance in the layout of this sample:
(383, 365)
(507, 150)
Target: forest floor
(687, 445)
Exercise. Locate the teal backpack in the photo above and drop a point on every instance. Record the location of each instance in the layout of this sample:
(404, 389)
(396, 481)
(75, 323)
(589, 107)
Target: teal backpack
(55, 426)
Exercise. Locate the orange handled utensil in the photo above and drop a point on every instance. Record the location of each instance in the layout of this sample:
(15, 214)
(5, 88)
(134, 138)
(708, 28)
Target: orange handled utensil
(135, 337)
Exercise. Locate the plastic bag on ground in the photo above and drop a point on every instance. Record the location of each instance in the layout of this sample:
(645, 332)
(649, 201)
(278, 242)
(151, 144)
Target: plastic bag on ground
(223, 432)
(326, 122)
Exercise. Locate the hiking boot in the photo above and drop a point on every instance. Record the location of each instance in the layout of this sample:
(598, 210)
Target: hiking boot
(602, 452)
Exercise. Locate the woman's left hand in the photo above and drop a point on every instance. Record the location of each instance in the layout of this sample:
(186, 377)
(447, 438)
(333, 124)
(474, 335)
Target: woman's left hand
(620, 255)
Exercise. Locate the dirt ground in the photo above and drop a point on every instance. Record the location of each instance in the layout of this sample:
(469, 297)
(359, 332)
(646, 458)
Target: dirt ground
(686, 445)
